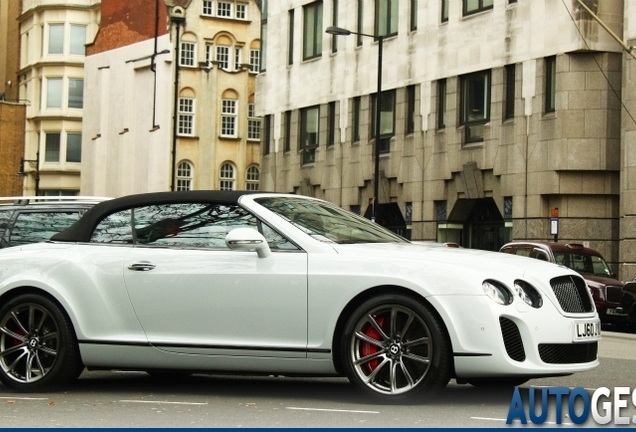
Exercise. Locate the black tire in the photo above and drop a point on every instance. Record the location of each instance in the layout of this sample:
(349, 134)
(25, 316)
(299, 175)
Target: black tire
(394, 347)
(38, 347)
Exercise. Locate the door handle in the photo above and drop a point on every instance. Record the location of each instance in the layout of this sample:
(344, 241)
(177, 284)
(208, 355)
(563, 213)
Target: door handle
(141, 266)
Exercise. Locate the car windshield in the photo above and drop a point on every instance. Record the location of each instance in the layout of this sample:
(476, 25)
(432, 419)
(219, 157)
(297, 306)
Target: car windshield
(583, 263)
(327, 222)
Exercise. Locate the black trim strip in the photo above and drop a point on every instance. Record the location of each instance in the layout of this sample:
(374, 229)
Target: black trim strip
(472, 355)
(218, 347)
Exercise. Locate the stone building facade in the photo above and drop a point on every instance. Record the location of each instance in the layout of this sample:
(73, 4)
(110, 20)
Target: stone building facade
(499, 119)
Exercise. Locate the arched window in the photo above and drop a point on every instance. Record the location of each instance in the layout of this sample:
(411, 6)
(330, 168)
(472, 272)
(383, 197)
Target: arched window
(252, 178)
(227, 178)
(184, 176)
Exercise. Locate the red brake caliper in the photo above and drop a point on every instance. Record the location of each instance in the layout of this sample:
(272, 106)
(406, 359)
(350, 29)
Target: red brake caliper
(367, 348)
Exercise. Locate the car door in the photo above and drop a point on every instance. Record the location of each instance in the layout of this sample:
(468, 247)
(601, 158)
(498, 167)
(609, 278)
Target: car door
(193, 295)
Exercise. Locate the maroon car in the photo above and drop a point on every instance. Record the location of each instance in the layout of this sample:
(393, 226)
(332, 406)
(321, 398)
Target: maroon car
(615, 304)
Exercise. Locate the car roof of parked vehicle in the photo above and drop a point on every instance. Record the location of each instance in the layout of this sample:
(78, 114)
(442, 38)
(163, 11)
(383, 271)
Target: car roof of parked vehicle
(82, 229)
(554, 246)
(46, 200)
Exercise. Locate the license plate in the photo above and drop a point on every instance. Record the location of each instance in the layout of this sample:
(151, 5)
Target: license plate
(616, 312)
(586, 331)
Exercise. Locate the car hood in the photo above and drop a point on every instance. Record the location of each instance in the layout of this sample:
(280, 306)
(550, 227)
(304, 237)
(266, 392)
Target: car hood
(452, 270)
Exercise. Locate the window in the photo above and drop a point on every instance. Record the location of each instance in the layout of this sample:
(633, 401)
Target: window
(413, 21)
(334, 22)
(474, 6)
(187, 54)
(386, 17)
(228, 117)
(253, 123)
(255, 56)
(184, 176)
(52, 147)
(252, 178)
(550, 84)
(444, 11)
(309, 133)
(441, 103)
(387, 119)
(224, 9)
(186, 116)
(209, 49)
(266, 134)
(227, 178)
(509, 108)
(237, 58)
(207, 8)
(475, 104)
(331, 125)
(78, 39)
(75, 93)
(290, 39)
(360, 23)
(56, 39)
(410, 109)
(223, 57)
(312, 30)
(356, 119)
(54, 93)
(74, 147)
(34, 227)
(241, 11)
(288, 129)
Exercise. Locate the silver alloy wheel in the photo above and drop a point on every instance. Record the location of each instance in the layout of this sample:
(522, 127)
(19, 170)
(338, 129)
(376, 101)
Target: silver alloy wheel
(391, 349)
(29, 343)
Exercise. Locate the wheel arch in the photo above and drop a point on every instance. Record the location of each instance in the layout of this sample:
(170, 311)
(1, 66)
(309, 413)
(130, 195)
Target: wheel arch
(366, 295)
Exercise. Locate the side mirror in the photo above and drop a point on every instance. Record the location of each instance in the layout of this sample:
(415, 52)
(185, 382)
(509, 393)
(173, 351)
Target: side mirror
(248, 240)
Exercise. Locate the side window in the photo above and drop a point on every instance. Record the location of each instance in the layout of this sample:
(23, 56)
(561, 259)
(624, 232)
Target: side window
(508, 250)
(523, 251)
(185, 225)
(34, 227)
(540, 255)
(5, 217)
(114, 228)
(189, 224)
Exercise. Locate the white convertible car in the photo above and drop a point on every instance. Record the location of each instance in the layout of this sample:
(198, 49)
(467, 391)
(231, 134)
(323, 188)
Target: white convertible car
(209, 281)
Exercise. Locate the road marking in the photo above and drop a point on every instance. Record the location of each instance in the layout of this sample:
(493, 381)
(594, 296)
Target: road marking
(22, 398)
(503, 420)
(163, 402)
(332, 410)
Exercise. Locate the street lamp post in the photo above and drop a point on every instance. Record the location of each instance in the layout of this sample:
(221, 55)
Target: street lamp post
(338, 31)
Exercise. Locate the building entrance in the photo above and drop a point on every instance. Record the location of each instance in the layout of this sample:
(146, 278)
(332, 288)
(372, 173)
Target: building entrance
(477, 224)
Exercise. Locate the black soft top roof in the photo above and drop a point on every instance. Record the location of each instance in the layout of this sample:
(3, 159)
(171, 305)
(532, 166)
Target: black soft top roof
(82, 230)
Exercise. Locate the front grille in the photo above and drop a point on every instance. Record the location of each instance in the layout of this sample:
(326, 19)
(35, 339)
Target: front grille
(613, 294)
(512, 339)
(572, 293)
(568, 353)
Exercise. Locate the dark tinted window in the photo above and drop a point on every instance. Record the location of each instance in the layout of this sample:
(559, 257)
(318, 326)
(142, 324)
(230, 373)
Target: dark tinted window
(34, 227)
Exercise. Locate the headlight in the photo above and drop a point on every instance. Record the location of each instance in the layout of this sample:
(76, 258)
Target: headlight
(528, 294)
(497, 292)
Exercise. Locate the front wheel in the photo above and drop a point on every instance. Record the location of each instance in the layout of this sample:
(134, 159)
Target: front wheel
(394, 346)
(38, 348)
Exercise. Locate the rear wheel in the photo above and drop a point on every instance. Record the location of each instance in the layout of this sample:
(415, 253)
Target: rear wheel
(394, 347)
(38, 348)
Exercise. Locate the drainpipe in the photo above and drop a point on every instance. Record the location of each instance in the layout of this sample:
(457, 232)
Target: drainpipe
(178, 20)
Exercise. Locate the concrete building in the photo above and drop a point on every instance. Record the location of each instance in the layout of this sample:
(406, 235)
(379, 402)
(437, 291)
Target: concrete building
(170, 97)
(499, 119)
(53, 35)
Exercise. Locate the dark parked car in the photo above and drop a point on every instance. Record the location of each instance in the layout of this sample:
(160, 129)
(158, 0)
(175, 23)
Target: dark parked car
(614, 303)
(33, 219)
